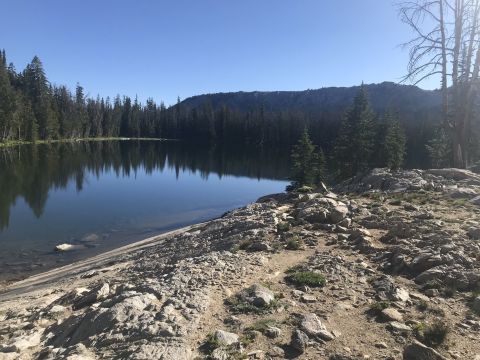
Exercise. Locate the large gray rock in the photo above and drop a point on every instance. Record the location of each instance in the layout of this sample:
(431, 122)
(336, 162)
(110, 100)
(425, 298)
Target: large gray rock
(418, 351)
(398, 327)
(259, 295)
(454, 174)
(473, 233)
(463, 193)
(391, 314)
(313, 214)
(344, 357)
(475, 201)
(338, 213)
(22, 343)
(383, 180)
(79, 352)
(128, 312)
(311, 325)
(299, 341)
(430, 275)
(476, 305)
(426, 261)
(225, 338)
(100, 292)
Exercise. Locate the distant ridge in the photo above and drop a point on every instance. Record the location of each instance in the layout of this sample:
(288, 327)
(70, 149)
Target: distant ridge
(410, 101)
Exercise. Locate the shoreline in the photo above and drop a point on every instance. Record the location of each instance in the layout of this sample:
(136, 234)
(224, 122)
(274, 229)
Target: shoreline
(38, 281)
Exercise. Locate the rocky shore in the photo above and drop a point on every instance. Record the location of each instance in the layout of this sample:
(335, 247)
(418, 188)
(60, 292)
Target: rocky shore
(385, 266)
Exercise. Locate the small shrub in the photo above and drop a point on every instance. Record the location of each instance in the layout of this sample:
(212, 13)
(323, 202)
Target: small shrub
(305, 189)
(396, 202)
(377, 307)
(308, 278)
(475, 294)
(248, 337)
(459, 202)
(237, 305)
(294, 244)
(283, 226)
(245, 244)
(210, 344)
(261, 325)
(450, 291)
(432, 335)
(294, 269)
(433, 284)
(424, 306)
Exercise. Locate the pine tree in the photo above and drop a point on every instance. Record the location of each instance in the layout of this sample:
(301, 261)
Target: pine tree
(440, 149)
(38, 91)
(355, 143)
(29, 120)
(307, 163)
(81, 117)
(7, 100)
(394, 143)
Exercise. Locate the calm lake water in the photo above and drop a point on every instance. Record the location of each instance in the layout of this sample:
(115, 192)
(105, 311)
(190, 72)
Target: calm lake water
(101, 195)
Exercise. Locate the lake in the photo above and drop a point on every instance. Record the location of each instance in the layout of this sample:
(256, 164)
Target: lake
(99, 195)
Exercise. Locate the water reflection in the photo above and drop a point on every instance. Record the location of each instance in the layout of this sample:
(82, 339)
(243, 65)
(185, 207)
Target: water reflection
(31, 172)
(101, 195)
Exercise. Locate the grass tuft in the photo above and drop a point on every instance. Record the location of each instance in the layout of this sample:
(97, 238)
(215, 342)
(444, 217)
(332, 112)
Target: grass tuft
(261, 325)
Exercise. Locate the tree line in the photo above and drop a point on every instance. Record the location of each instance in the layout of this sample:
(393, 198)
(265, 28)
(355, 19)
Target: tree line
(31, 109)
(364, 141)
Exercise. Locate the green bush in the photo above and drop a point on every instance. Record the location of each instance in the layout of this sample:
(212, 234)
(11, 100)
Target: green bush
(283, 226)
(308, 278)
(377, 307)
(294, 244)
(432, 335)
(237, 305)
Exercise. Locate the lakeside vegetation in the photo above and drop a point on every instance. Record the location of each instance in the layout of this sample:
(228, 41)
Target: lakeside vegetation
(11, 143)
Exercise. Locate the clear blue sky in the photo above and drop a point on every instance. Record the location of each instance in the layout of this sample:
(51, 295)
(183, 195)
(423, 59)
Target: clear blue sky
(164, 49)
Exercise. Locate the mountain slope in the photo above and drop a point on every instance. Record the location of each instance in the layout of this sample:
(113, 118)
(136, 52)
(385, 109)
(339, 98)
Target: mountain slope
(408, 100)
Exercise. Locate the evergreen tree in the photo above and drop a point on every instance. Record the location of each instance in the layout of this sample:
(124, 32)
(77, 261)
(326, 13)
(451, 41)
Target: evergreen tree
(7, 100)
(126, 118)
(394, 143)
(30, 126)
(38, 91)
(440, 149)
(307, 163)
(81, 117)
(355, 143)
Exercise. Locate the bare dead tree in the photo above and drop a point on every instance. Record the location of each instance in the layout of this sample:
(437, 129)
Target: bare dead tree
(446, 43)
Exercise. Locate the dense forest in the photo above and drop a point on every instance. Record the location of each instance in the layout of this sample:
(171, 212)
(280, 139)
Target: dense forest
(33, 109)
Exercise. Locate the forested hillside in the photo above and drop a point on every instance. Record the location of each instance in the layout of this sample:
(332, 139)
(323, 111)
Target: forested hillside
(411, 100)
(33, 109)
(280, 116)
